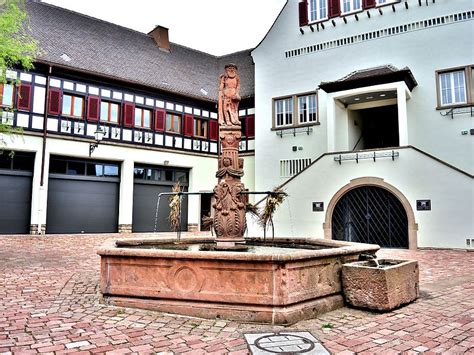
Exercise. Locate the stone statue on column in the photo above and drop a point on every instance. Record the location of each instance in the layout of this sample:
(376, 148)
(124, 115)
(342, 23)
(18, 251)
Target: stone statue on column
(229, 217)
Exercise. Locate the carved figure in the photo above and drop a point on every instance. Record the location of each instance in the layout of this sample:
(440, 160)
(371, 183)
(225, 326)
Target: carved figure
(229, 96)
(229, 218)
(227, 169)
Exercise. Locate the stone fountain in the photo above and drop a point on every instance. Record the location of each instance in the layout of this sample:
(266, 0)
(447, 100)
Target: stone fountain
(230, 277)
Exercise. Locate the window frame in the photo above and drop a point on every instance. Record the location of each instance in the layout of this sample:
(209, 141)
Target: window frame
(296, 119)
(71, 111)
(275, 125)
(386, 3)
(109, 111)
(13, 86)
(180, 122)
(468, 87)
(200, 121)
(307, 95)
(143, 109)
(318, 8)
(352, 10)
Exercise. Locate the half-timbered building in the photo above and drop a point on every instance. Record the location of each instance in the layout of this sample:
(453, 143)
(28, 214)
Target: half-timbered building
(111, 117)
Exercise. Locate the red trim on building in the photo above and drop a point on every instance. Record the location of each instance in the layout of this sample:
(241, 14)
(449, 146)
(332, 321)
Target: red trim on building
(128, 114)
(93, 108)
(160, 117)
(24, 97)
(54, 104)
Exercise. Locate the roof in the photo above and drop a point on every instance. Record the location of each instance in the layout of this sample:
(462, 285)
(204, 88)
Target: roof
(109, 50)
(372, 76)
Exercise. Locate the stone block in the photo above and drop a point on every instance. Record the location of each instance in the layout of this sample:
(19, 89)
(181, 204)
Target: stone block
(383, 288)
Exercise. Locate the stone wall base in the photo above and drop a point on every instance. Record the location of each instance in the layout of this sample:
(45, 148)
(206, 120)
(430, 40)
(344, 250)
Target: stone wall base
(193, 227)
(34, 229)
(125, 228)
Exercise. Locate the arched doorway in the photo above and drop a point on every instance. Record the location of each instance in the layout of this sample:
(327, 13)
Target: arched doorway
(369, 210)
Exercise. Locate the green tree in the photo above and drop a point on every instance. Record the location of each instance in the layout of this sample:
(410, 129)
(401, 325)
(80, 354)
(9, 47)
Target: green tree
(18, 49)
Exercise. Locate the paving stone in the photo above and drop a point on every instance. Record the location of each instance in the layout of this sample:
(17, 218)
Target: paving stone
(66, 309)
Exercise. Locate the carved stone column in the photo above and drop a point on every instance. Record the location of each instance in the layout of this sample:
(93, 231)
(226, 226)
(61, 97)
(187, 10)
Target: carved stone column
(229, 216)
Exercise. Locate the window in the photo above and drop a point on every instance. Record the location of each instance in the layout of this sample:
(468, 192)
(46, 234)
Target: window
(109, 112)
(455, 87)
(80, 167)
(318, 10)
(6, 95)
(200, 128)
(386, 2)
(304, 107)
(307, 109)
(351, 5)
(142, 118)
(284, 112)
(73, 106)
(173, 123)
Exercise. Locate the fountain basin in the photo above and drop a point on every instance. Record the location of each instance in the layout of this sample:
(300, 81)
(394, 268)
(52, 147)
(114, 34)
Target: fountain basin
(297, 279)
(382, 288)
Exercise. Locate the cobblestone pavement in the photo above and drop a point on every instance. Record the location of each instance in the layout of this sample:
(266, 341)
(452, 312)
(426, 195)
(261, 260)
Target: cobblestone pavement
(49, 303)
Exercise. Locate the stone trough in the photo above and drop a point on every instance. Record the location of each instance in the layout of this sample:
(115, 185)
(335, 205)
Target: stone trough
(380, 286)
(280, 283)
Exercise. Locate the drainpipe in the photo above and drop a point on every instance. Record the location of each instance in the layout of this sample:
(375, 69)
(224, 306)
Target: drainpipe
(45, 125)
(43, 153)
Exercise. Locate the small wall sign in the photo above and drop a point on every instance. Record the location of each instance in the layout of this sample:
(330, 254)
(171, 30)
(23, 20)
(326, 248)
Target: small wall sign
(318, 206)
(423, 205)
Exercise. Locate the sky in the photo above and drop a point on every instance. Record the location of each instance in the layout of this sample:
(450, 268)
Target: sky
(213, 26)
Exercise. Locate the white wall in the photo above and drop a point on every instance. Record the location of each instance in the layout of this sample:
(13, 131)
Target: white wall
(423, 51)
(202, 171)
(448, 223)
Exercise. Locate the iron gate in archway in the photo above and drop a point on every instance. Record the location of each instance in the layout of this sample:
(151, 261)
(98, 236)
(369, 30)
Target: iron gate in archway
(370, 214)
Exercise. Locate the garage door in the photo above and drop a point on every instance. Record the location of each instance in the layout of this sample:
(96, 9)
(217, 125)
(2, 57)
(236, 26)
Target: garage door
(83, 196)
(16, 175)
(149, 182)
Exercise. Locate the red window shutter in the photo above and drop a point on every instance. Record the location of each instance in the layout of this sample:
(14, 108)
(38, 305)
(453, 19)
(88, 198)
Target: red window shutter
(334, 8)
(93, 108)
(368, 4)
(160, 116)
(128, 114)
(1, 93)
(250, 126)
(303, 12)
(54, 104)
(213, 129)
(188, 125)
(24, 97)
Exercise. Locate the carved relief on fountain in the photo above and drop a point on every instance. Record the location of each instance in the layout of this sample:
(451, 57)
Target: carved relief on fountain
(229, 218)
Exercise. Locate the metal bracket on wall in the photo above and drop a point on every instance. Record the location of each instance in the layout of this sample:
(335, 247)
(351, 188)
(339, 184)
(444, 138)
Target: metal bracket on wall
(294, 131)
(361, 156)
(458, 111)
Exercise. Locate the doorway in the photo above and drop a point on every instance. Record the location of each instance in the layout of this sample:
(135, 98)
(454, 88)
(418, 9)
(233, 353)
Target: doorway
(376, 128)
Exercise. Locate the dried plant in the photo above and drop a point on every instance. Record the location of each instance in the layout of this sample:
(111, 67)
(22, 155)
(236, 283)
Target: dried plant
(175, 208)
(207, 223)
(253, 210)
(274, 200)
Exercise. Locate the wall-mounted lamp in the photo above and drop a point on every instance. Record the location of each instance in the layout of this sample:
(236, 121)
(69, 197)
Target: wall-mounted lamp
(99, 135)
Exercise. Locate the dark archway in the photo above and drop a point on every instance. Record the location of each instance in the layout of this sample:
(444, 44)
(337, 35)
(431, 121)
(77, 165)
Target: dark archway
(371, 214)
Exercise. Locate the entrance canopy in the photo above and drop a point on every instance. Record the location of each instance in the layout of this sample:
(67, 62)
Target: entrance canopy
(368, 77)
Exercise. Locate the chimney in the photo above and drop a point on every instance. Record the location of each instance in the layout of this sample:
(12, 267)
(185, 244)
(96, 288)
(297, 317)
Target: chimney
(160, 35)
